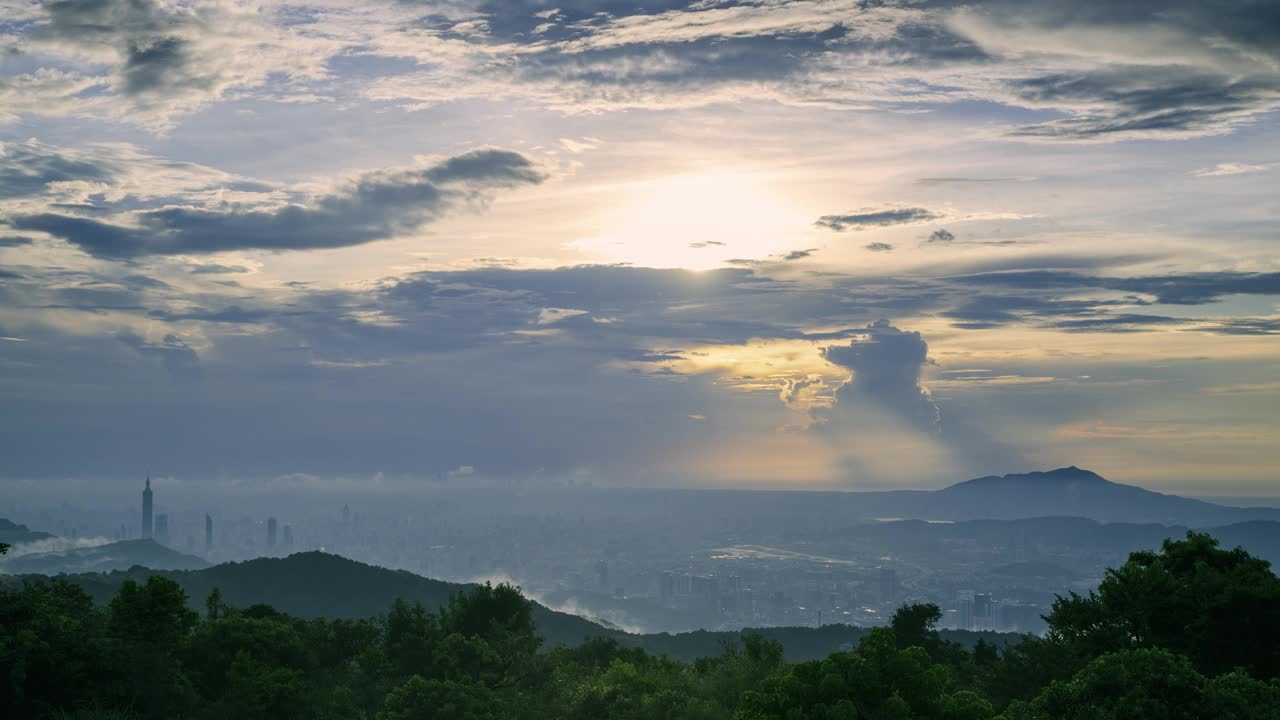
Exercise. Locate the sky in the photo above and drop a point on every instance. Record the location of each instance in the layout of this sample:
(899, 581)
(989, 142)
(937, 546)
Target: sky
(816, 244)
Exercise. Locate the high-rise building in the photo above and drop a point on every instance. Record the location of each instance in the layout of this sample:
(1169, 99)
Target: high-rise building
(888, 585)
(982, 611)
(964, 607)
(162, 529)
(288, 538)
(208, 533)
(147, 527)
(271, 532)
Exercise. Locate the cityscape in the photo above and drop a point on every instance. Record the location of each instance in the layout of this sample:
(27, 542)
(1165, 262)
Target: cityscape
(639, 360)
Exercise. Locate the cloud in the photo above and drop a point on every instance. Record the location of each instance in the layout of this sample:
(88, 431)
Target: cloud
(1195, 288)
(879, 247)
(163, 59)
(941, 236)
(799, 254)
(374, 206)
(872, 217)
(178, 358)
(887, 363)
(1231, 168)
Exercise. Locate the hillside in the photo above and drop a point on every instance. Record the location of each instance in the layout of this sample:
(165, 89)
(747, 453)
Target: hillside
(314, 584)
(1072, 491)
(102, 558)
(12, 533)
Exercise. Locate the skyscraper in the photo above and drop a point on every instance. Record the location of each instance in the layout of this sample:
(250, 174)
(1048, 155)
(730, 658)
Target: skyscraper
(162, 529)
(888, 585)
(208, 533)
(147, 527)
(288, 538)
(271, 532)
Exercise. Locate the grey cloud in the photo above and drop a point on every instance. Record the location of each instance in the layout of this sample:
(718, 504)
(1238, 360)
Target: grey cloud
(886, 367)
(1243, 326)
(1117, 323)
(879, 247)
(941, 235)
(799, 254)
(1178, 289)
(376, 206)
(28, 169)
(870, 217)
(178, 358)
(218, 269)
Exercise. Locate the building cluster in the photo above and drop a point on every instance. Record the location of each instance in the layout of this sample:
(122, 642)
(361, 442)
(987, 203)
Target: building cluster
(156, 526)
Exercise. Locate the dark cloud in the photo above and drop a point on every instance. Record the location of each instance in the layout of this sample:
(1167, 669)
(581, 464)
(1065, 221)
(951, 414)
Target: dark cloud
(28, 169)
(376, 206)
(218, 269)
(181, 362)
(941, 235)
(1117, 323)
(879, 247)
(886, 364)
(1179, 289)
(799, 254)
(863, 219)
(1243, 326)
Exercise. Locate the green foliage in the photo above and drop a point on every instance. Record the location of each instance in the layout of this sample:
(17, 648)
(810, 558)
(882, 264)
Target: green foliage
(1189, 599)
(1114, 655)
(914, 625)
(1151, 684)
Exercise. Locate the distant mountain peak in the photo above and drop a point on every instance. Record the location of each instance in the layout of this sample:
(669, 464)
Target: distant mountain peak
(1071, 473)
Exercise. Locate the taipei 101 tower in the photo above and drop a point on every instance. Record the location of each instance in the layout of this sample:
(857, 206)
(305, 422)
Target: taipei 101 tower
(146, 510)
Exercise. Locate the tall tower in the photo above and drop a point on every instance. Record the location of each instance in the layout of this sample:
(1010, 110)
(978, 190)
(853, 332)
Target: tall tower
(147, 525)
(208, 533)
(271, 532)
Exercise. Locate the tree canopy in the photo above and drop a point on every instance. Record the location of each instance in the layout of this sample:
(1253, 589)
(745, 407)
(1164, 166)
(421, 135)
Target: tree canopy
(1184, 633)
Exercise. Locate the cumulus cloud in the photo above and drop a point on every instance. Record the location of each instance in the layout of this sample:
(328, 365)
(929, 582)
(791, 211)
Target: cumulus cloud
(887, 363)
(873, 217)
(374, 206)
(941, 235)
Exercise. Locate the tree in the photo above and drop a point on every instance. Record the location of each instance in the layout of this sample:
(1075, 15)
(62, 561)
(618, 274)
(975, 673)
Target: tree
(914, 625)
(52, 651)
(149, 621)
(1153, 684)
(1192, 598)
(152, 614)
(421, 699)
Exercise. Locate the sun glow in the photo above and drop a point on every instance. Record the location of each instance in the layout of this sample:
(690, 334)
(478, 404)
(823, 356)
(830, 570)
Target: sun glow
(698, 222)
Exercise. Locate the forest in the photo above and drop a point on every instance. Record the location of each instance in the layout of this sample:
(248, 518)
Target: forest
(1189, 632)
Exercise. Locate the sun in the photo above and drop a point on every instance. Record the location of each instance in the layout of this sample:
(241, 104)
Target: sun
(696, 222)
